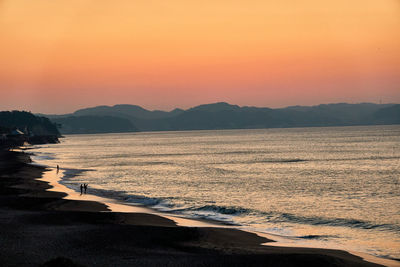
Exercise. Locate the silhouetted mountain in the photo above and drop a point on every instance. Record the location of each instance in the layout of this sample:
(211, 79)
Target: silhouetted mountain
(126, 111)
(388, 115)
(226, 116)
(27, 122)
(18, 127)
(215, 107)
(94, 124)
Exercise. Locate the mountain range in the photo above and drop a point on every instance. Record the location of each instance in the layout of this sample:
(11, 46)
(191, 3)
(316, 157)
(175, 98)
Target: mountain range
(131, 118)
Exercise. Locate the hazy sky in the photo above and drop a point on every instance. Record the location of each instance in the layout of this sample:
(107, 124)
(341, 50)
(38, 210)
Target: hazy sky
(57, 56)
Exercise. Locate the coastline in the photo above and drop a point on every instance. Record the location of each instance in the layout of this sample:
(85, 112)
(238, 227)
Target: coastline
(51, 215)
(54, 178)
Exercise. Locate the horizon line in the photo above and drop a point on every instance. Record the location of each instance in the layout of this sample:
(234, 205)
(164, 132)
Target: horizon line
(211, 103)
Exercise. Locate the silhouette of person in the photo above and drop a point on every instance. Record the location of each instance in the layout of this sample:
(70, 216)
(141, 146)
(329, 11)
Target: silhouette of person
(81, 189)
(85, 187)
(58, 168)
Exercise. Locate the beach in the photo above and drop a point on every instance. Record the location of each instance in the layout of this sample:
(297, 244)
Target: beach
(40, 227)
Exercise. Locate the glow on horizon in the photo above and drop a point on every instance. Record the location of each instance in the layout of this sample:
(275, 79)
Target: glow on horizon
(57, 56)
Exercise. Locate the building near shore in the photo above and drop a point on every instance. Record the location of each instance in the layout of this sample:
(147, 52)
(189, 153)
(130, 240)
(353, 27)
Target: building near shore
(16, 133)
(13, 138)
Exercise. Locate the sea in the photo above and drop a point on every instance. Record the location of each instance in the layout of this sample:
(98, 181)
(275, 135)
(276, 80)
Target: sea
(338, 187)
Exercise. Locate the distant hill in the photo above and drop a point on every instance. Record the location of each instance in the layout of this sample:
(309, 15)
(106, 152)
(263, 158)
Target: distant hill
(388, 115)
(26, 121)
(225, 116)
(18, 127)
(94, 124)
(126, 111)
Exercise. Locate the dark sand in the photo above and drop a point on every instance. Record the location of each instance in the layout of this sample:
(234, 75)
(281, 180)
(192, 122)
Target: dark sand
(38, 227)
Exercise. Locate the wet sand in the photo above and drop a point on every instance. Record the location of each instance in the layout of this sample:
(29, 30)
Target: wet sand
(45, 225)
(53, 178)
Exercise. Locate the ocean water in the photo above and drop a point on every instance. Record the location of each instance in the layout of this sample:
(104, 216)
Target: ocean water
(338, 186)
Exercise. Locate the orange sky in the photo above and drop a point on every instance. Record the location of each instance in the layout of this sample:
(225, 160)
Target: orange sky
(58, 56)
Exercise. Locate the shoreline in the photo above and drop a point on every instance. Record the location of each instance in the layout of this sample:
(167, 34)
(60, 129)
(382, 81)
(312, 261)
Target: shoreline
(30, 202)
(54, 178)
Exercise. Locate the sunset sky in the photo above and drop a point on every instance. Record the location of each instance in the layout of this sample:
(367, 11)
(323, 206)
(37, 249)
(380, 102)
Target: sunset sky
(58, 56)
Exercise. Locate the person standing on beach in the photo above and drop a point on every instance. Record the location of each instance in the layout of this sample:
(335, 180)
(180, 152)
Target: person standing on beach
(58, 168)
(81, 189)
(85, 187)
